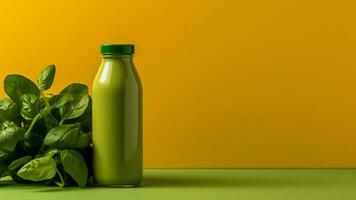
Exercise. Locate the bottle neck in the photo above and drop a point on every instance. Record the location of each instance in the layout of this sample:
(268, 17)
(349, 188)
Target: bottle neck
(117, 56)
(117, 60)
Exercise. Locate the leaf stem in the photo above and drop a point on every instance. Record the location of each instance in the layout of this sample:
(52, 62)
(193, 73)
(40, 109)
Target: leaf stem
(45, 100)
(62, 183)
(34, 121)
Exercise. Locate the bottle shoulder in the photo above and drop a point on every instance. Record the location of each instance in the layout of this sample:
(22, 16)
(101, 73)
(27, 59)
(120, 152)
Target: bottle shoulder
(117, 75)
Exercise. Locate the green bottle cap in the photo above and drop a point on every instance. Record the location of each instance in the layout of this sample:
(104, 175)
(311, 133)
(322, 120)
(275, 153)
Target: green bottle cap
(124, 49)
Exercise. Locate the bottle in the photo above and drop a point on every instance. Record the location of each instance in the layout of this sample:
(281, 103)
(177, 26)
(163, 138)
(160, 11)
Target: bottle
(117, 119)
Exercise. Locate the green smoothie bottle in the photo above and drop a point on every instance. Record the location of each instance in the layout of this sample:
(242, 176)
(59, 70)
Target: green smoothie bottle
(117, 119)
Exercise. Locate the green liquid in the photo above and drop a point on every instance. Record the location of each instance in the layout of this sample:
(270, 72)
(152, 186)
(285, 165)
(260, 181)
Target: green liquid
(117, 123)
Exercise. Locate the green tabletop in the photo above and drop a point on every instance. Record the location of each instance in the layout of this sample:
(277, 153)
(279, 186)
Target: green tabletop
(222, 184)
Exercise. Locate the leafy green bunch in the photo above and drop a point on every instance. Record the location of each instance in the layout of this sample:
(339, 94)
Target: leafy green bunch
(45, 138)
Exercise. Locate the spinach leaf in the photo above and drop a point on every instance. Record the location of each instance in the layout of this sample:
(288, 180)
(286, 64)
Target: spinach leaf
(9, 110)
(10, 136)
(71, 110)
(74, 164)
(46, 78)
(39, 169)
(16, 85)
(85, 119)
(19, 162)
(78, 103)
(49, 119)
(31, 106)
(67, 136)
(58, 101)
(76, 90)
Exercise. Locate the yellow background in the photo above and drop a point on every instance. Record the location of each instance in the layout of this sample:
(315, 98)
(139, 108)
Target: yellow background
(227, 83)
